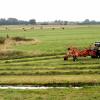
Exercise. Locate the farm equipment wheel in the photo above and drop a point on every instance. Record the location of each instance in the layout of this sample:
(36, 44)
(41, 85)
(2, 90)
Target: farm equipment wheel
(94, 57)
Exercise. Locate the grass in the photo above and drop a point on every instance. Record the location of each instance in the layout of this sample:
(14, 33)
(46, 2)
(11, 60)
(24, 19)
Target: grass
(54, 80)
(48, 66)
(56, 41)
(2, 40)
(42, 64)
(87, 93)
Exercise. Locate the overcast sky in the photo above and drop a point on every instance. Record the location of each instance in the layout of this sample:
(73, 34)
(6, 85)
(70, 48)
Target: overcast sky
(50, 10)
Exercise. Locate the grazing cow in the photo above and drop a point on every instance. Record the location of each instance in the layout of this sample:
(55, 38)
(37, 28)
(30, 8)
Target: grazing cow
(75, 53)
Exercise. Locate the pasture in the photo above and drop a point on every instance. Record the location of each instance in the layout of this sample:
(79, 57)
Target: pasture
(42, 64)
(87, 93)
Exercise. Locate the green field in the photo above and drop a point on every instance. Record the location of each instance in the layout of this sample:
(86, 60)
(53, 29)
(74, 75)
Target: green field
(87, 93)
(54, 41)
(42, 64)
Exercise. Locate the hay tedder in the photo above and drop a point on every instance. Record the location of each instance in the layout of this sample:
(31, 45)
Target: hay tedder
(93, 51)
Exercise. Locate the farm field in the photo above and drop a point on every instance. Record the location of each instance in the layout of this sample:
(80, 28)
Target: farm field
(87, 93)
(41, 63)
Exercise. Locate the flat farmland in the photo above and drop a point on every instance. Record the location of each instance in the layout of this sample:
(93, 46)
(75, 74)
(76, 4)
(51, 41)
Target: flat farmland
(41, 63)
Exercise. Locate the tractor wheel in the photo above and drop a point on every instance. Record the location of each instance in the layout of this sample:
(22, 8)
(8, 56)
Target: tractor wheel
(74, 58)
(94, 57)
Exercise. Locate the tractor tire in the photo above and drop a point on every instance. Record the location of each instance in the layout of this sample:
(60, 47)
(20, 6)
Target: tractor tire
(94, 57)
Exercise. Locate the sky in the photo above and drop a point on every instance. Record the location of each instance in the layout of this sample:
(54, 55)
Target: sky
(50, 10)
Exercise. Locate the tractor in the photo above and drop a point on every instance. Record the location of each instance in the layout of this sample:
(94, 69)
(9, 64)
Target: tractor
(96, 48)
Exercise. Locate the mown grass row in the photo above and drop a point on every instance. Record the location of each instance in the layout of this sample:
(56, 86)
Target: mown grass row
(57, 80)
(49, 66)
(49, 72)
(50, 59)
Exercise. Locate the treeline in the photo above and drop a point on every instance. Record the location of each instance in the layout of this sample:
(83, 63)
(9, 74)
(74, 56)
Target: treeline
(15, 21)
(61, 22)
(89, 22)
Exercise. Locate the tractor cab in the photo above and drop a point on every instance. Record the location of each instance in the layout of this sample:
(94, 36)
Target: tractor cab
(97, 44)
(96, 47)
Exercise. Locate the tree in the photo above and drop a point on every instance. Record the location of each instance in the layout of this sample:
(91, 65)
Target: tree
(86, 21)
(32, 21)
(2, 21)
(65, 22)
(12, 21)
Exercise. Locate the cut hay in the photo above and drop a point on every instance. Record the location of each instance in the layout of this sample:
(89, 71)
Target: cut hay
(7, 43)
